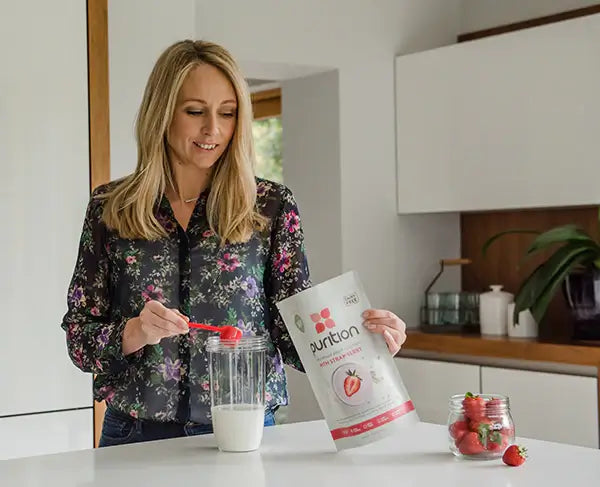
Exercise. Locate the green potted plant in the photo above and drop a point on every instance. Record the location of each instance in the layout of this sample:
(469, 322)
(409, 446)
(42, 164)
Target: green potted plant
(573, 264)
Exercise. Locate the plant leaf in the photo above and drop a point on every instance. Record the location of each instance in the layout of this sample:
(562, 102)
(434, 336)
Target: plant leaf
(562, 234)
(544, 273)
(538, 280)
(538, 289)
(495, 237)
(528, 291)
(541, 305)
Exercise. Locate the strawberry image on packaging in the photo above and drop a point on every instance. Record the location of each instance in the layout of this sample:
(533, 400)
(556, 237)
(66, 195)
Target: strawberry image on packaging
(351, 372)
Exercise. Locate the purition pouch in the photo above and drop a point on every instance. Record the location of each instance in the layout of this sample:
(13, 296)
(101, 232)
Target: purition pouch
(350, 369)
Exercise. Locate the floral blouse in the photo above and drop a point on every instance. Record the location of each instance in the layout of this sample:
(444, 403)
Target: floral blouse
(237, 284)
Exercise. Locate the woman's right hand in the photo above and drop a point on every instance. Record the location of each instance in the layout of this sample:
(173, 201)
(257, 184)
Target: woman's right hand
(158, 322)
(154, 323)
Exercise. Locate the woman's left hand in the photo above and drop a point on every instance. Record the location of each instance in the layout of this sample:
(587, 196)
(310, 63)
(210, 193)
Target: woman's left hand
(389, 325)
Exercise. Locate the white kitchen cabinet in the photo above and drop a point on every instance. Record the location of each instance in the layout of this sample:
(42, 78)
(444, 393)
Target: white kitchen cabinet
(509, 121)
(42, 434)
(545, 406)
(45, 189)
(431, 383)
(303, 404)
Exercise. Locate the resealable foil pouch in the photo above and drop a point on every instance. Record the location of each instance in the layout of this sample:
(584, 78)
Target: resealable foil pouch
(350, 369)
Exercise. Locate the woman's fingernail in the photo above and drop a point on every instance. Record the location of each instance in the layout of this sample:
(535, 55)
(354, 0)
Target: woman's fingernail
(365, 314)
(370, 326)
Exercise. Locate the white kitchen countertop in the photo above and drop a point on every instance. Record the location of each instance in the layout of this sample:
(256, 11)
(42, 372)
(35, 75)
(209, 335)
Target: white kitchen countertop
(303, 454)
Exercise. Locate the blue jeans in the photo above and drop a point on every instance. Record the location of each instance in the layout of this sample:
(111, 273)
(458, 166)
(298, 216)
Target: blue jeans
(120, 429)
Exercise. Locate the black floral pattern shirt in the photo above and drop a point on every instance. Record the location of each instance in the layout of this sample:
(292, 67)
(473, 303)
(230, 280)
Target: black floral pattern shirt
(237, 284)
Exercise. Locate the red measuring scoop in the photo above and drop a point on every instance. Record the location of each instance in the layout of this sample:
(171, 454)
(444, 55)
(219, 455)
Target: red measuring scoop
(227, 332)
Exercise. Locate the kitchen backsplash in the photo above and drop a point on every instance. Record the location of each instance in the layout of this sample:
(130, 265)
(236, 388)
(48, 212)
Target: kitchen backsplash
(503, 263)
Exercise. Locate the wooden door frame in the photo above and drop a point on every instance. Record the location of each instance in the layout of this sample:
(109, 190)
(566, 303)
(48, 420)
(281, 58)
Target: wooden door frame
(266, 104)
(99, 122)
(98, 92)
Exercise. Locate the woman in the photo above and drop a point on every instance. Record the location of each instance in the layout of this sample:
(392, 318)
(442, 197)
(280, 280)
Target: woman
(191, 234)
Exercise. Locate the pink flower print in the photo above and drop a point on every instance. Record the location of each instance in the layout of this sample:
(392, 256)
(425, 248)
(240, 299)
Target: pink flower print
(282, 261)
(205, 385)
(130, 259)
(107, 393)
(99, 365)
(77, 298)
(153, 292)
(78, 357)
(291, 221)
(268, 396)
(72, 331)
(229, 263)
(133, 413)
(208, 233)
(95, 311)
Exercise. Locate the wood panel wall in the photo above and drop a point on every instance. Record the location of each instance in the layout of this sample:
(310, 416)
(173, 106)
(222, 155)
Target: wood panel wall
(504, 264)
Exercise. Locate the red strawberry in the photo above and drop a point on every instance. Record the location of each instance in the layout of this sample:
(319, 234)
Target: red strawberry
(315, 317)
(495, 402)
(494, 408)
(458, 429)
(474, 406)
(320, 327)
(351, 383)
(496, 442)
(470, 444)
(325, 313)
(515, 455)
(329, 323)
(483, 423)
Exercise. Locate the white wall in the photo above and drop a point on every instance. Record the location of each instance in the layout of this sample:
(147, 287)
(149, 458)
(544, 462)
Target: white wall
(360, 41)
(483, 14)
(44, 158)
(311, 153)
(138, 31)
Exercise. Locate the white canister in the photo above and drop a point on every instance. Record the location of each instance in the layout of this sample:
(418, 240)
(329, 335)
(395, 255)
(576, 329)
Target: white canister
(525, 328)
(493, 311)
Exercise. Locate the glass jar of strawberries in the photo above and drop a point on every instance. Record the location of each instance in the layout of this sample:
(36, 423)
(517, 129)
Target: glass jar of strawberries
(480, 426)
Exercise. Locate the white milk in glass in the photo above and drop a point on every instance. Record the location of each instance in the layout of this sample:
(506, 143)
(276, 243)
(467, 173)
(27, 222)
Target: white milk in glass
(237, 392)
(238, 427)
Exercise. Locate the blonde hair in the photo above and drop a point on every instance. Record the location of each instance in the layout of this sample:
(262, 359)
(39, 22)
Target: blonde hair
(231, 206)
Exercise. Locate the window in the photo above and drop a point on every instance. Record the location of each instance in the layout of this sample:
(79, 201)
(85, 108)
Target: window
(266, 130)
